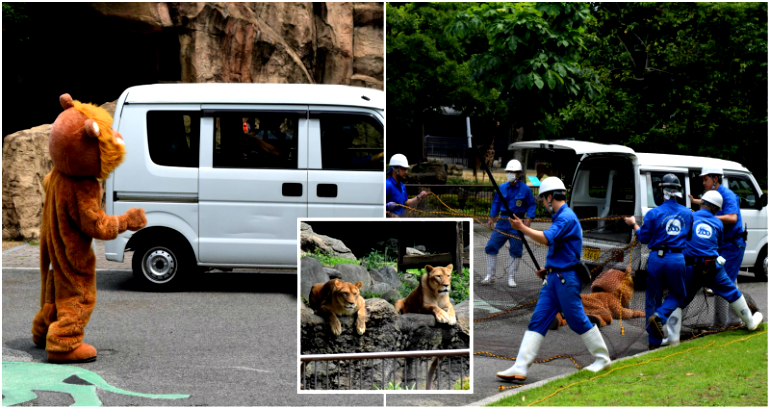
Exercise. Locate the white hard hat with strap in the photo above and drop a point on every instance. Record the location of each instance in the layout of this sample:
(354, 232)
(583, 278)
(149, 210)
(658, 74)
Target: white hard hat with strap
(398, 160)
(513, 166)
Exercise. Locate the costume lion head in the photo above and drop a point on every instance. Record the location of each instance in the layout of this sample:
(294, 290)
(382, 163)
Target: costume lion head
(82, 141)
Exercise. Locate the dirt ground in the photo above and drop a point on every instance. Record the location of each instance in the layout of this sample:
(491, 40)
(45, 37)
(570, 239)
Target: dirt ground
(11, 244)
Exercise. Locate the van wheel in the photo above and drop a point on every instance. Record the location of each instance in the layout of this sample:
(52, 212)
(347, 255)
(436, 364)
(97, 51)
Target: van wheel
(161, 266)
(760, 268)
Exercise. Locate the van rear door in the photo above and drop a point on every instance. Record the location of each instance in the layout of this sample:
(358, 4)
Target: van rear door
(604, 183)
(253, 184)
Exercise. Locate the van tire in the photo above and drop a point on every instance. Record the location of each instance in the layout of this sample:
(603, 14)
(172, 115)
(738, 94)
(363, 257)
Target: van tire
(164, 264)
(760, 267)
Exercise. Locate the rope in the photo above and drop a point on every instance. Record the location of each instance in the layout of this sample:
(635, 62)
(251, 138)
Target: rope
(641, 363)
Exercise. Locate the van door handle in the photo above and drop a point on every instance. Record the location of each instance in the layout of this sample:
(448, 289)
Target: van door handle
(292, 189)
(326, 190)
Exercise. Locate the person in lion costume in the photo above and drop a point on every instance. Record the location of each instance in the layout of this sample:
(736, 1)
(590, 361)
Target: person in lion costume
(611, 294)
(84, 148)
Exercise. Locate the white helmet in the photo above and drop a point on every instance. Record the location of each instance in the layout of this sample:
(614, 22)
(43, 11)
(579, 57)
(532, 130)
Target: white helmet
(513, 166)
(713, 197)
(711, 170)
(398, 160)
(550, 184)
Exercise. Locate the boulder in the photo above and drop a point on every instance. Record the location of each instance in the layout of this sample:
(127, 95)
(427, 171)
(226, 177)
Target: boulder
(427, 173)
(386, 275)
(353, 273)
(311, 272)
(391, 296)
(378, 289)
(414, 252)
(310, 241)
(26, 162)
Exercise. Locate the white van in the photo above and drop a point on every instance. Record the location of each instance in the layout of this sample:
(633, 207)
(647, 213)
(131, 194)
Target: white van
(613, 180)
(223, 171)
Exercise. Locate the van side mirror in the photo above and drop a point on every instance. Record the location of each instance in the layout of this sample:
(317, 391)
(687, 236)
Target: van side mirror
(763, 201)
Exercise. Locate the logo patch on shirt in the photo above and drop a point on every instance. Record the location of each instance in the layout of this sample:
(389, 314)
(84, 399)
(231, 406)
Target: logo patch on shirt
(704, 231)
(673, 227)
(518, 203)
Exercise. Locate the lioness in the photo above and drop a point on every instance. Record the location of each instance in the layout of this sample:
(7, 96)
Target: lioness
(337, 297)
(431, 296)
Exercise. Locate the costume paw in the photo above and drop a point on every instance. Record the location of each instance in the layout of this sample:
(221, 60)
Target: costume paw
(135, 219)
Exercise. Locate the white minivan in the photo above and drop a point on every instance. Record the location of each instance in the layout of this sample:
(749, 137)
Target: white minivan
(613, 180)
(223, 171)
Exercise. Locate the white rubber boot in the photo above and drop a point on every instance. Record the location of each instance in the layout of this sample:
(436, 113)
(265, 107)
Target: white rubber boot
(673, 328)
(512, 269)
(530, 344)
(491, 267)
(742, 309)
(596, 346)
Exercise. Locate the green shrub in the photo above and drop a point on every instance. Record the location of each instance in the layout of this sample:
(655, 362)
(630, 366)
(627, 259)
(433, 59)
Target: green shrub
(375, 260)
(328, 259)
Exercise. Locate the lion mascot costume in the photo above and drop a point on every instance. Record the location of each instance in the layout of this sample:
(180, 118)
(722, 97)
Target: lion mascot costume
(83, 148)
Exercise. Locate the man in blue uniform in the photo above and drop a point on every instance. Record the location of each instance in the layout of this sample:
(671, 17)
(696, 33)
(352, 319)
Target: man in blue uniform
(665, 231)
(705, 266)
(395, 190)
(561, 289)
(734, 244)
(520, 200)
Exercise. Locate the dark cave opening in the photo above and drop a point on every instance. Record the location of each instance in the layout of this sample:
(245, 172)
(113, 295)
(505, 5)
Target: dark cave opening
(69, 48)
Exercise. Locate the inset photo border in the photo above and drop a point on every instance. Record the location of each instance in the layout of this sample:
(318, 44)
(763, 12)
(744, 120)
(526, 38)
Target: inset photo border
(384, 305)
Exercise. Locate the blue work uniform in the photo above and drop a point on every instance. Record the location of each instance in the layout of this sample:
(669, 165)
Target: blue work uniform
(395, 191)
(561, 291)
(707, 233)
(520, 200)
(733, 246)
(665, 229)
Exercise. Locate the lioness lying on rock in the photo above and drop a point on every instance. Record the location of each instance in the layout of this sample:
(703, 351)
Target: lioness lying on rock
(431, 296)
(337, 297)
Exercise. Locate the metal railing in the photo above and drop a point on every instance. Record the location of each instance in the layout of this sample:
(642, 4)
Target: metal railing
(381, 372)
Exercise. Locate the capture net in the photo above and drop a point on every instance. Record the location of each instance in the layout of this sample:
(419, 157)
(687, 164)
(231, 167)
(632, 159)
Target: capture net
(614, 299)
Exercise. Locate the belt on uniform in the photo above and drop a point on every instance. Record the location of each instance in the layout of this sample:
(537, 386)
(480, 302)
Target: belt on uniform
(666, 250)
(579, 268)
(691, 260)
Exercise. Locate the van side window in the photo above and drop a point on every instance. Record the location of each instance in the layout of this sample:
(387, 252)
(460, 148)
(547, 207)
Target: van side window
(351, 142)
(654, 195)
(256, 140)
(173, 138)
(742, 186)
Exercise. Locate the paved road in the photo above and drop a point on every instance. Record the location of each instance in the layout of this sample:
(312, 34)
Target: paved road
(229, 340)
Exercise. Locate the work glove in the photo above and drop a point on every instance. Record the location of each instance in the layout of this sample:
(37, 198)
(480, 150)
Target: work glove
(391, 206)
(721, 260)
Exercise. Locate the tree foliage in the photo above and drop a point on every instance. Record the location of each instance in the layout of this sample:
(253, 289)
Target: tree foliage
(680, 78)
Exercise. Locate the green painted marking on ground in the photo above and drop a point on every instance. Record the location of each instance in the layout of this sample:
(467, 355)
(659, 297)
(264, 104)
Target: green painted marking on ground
(20, 379)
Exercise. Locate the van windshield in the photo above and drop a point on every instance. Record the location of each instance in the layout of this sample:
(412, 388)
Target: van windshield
(604, 188)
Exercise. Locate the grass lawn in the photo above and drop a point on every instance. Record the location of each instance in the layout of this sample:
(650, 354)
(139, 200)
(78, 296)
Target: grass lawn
(727, 369)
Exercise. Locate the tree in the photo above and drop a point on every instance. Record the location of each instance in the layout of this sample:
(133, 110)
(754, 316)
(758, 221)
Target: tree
(681, 78)
(532, 58)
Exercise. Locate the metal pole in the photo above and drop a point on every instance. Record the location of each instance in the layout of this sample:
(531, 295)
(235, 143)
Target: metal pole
(497, 188)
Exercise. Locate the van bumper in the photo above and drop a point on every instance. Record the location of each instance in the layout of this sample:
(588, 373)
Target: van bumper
(114, 249)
